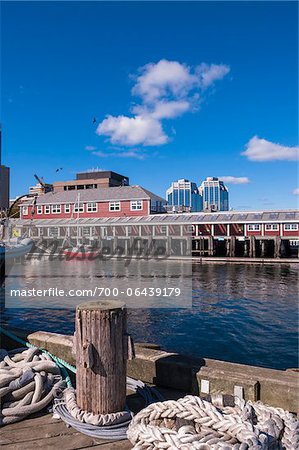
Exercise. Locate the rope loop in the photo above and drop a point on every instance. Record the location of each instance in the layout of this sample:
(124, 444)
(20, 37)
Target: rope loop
(194, 423)
(29, 381)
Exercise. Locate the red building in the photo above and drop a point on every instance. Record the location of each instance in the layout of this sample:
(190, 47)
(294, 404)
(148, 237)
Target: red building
(119, 201)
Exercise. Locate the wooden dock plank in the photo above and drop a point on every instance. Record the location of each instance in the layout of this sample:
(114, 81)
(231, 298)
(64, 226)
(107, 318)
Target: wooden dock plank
(50, 434)
(32, 421)
(46, 430)
(71, 441)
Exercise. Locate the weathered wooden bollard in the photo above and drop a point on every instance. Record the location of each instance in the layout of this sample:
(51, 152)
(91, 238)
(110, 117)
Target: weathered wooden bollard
(101, 356)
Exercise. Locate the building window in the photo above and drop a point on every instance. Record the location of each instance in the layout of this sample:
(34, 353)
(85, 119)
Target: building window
(254, 227)
(163, 229)
(25, 210)
(92, 207)
(114, 206)
(47, 209)
(271, 227)
(56, 209)
(39, 209)
(67, 208)
(136, 205)
(290, 227)
(79, 208)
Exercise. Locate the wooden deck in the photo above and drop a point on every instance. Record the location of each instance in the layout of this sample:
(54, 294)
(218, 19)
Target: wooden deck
(43, 432)
(46, 433)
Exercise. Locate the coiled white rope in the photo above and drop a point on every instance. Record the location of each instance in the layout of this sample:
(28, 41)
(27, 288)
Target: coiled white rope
(29, 381)
(192, 423)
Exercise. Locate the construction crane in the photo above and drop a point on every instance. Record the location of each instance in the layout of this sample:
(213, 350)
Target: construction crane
(46, 186)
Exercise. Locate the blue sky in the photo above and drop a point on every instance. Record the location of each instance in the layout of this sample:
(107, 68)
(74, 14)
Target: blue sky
(179, 90)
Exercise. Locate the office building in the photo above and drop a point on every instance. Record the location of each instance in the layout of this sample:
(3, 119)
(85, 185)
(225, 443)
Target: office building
(95, 179)
(4, 180)
(4, 187)
(184, 196)
(214, 195)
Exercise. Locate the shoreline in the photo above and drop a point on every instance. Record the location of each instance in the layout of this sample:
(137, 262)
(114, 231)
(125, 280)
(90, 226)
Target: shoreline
(193, 259)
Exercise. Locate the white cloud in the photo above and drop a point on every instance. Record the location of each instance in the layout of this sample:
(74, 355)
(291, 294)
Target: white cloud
(164, 109)
(235, 180)
(296, 191)
(90, 148)
(170, 110)
(262, 150)
(208, 74)
(130, 131)
(164, 77)
(167, 89)
(122, 154)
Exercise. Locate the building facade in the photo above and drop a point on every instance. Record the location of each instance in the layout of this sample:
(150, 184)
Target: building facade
(246, 234)
(214, 195)
(4, 187)
(184, 196)
(92, 180)
(4, 180)
(122, 201)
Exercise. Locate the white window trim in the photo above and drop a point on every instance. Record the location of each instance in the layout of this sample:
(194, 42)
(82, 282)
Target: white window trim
(47, 209)
(254, 227)
(39, 209)
(25, 210)
(292, 227)
(271, 227)
(112, 205)
(78, 208)
(91, 210)
(57, 209)
(67, 206)
(132, 208)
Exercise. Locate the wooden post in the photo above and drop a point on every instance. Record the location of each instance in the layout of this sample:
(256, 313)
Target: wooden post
(263, 248)
(232, 252)
(101, 356)
(277, 247)
(252, 250)
(210, 246)
(246, 244)
(227, 245)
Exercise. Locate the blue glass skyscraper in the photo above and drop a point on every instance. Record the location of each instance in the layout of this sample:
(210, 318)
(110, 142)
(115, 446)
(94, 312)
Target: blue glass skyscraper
(214, 195)
(184, 196)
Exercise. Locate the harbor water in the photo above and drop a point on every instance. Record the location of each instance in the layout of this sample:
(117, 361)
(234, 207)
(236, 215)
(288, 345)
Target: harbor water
(245, 313)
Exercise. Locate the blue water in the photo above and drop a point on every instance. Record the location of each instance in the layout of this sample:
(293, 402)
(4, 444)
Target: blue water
(246, 313)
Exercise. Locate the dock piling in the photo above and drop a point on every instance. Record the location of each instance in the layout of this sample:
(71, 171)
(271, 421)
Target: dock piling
(101, 356)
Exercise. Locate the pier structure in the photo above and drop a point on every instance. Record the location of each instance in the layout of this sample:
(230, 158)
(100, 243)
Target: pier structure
(260, 234)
